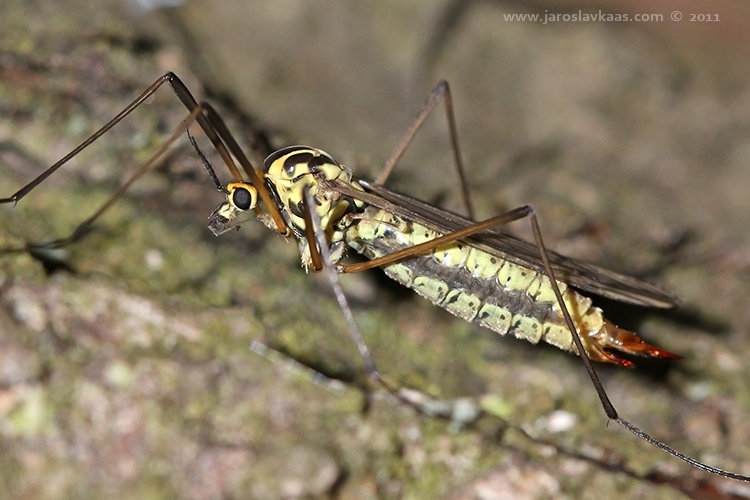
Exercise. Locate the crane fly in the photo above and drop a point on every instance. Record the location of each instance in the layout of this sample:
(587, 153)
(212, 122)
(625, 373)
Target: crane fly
(474, 270)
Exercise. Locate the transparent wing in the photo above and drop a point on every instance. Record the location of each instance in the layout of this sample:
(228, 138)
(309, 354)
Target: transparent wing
(581, 275)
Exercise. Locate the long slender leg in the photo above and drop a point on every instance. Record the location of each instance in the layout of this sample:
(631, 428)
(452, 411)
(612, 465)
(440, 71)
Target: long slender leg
(441, 90)
(478, 227)
(607, 405)
(314, 227)
(84, 227)
(212, 125)
(208, 119)
(459, 412)
(422, 248)
(521, 212)
(180, 90)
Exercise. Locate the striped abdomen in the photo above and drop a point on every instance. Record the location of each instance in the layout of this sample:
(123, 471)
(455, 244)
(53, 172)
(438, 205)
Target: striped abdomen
(485, 289)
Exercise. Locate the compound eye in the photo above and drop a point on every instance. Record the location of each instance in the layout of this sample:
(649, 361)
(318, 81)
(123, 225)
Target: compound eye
(242, 199)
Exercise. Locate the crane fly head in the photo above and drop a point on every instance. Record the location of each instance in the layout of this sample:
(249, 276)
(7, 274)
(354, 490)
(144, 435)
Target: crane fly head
(287, 172)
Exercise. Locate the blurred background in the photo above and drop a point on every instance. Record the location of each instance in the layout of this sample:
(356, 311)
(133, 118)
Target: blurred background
(127, 373)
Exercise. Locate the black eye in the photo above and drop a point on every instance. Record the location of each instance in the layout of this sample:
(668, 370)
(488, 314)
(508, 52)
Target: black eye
(241, 198)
